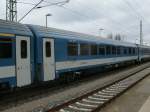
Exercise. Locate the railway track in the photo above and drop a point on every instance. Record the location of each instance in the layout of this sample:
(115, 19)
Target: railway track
(95, 100)
(20, 97)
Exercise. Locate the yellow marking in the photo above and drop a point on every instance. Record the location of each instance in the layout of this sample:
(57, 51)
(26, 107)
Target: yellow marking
(7, 35)
(6, 41)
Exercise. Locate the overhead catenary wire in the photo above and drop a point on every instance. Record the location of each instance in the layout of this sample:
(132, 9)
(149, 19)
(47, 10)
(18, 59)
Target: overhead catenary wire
(139, 15)
(73, 11)
(118, 24)
(53, 4)
(30, 10)
(37, 6)
(111, 19)
(136, 12)
(85, 16)
(137, 4)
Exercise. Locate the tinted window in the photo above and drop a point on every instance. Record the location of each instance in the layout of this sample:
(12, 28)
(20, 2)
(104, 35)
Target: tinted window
(72, 49)
(130, 51)
(125, 51)
(93, 49)
(5, 48)
(101, 50)
(84, 49)
(48, 49)
(108, 50)
(113, 50)
(133, 50)
(23, 49)
(118, 50)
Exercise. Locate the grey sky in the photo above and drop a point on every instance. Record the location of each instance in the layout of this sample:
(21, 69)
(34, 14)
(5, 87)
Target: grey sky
(87, 16)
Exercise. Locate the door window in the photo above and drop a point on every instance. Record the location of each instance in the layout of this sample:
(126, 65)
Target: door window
(23, 49)
(48, 49)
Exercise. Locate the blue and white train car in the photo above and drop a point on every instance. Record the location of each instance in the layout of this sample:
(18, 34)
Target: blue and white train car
(60, 51)
(30, 53)
(144, 52)
(15, 54)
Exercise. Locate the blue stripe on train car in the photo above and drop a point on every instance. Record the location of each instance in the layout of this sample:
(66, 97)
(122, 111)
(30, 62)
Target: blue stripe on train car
(10, 80)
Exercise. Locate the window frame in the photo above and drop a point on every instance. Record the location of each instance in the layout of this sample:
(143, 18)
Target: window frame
(118, 49)
(84, 49)
(108, 53)
(100, 48)
(4, 40)
(76, 53)
(23, 54)
(114, 50)
(48, 49)
(93, 49)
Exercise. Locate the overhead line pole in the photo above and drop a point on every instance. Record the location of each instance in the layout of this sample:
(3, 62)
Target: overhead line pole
(141, 33)
(11, 10)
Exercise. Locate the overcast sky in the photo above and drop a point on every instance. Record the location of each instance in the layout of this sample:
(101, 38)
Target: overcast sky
(88, 16)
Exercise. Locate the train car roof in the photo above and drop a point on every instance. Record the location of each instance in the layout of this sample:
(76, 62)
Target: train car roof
(9, 27)
(41, 31)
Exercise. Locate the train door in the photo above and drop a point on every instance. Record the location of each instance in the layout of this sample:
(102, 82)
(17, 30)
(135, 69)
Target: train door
(23, 63)
(48, 59)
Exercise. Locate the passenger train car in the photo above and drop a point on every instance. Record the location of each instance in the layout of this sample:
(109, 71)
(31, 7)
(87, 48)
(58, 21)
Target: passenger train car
(16, 55)
(31, 53)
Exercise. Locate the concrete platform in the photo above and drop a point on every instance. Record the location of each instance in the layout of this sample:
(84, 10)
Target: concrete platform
(146, 106)
(137, 99)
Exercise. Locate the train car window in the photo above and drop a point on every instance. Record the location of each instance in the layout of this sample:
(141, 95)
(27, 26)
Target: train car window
(130, 51)
(101, 50)
(5, 48)
(125, 51)
(94, 49)
(108, 50)
(48, 49)
(72, 49)
(133, 50)
(113, 50)
(23, 46)
(84, 49)
(118, 50)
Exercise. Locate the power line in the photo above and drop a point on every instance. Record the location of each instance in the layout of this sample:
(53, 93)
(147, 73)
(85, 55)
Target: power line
(83, 15)
(37, 6)
(141, 34)
(61, 3)
(77, 13)
(113, 21)
(30, 11)
(136, 12)
(142, 13)
(73, 11)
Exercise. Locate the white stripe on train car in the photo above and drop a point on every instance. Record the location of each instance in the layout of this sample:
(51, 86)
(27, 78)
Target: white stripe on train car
(7, 71)
(89, 62)
(145, 56)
